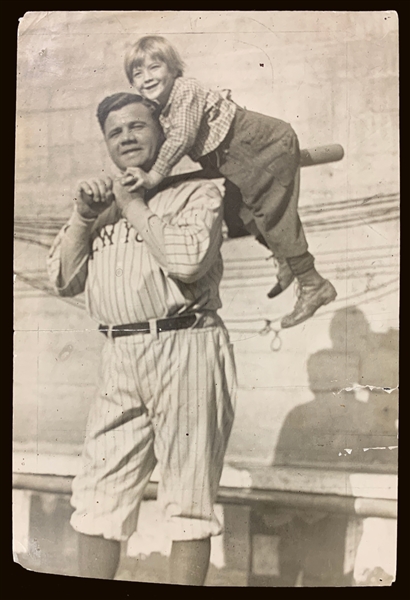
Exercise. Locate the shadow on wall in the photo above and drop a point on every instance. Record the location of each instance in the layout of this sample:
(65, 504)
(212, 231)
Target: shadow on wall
(340, 428)
(344, 427)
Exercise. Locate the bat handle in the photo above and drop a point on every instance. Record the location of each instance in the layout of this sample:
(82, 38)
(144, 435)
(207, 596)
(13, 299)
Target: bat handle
(321, 155)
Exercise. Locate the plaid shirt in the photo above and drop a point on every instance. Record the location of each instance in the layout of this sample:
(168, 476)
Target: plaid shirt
(195, 121)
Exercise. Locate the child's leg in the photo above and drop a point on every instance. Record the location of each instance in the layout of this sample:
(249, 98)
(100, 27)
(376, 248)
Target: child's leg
(291, 235)
(240, 223)
(274, 210)
(233, 202)
(232, 211)
(261, 157)
(284, 273)
(287, 236)
(276, 216)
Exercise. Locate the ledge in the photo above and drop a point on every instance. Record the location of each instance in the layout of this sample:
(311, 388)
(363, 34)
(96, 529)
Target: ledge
(365, 494)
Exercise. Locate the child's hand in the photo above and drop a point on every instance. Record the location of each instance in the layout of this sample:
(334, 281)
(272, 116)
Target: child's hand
(133, 179)
(136, 178)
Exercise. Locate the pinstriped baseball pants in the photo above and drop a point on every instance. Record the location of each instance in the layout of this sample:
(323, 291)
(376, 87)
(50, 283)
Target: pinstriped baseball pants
(168, 399)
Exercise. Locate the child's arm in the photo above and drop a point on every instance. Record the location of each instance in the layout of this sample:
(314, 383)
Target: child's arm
(141, 179)
(184, 119)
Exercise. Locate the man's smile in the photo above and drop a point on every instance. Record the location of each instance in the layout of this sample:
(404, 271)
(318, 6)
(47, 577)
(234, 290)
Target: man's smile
(131, 149)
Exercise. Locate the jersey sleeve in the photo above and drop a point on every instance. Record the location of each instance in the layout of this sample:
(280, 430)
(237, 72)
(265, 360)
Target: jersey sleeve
(67, 261)
(191, 241)
(188, 245)
(185, 116)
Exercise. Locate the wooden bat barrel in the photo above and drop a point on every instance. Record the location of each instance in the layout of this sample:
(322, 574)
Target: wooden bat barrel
(321, 155)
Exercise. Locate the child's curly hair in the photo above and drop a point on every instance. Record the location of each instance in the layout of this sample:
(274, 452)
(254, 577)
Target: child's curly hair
(156, 47)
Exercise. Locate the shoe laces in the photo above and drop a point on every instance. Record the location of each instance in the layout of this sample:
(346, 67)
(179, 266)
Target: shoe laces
(298, 288)
(298, 292)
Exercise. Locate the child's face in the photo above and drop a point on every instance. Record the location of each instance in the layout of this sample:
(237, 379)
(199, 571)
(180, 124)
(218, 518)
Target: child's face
(153, 80)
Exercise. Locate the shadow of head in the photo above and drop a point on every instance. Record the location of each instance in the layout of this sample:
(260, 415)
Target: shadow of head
(358, 355)
(349, 330)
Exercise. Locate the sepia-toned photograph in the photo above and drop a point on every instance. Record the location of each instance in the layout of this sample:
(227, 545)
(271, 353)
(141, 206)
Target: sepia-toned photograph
(206, 297)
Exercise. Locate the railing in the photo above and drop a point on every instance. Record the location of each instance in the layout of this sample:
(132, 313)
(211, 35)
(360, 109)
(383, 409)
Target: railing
(332, 503)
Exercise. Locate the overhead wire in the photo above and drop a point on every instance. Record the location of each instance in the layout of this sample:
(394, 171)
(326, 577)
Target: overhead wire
(253, 271)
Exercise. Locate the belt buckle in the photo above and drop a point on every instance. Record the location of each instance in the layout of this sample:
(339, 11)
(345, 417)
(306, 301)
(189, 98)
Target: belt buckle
(153, 328)
(198, 319)
(109, 332)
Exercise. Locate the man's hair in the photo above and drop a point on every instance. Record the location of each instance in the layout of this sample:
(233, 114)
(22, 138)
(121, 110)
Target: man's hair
(117, 101)
(157, 48)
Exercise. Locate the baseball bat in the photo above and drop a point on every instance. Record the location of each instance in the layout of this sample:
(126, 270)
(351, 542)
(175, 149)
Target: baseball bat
(321, 155)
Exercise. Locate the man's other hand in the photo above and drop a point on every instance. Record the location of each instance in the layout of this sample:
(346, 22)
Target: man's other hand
(94, 197)
(125, 193)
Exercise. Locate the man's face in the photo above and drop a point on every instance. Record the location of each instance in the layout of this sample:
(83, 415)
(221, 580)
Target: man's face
(133, 137)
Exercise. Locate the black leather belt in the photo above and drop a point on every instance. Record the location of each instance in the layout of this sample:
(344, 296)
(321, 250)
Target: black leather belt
(170, 324)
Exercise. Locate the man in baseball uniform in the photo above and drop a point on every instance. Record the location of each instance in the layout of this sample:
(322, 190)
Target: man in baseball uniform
(150, 265)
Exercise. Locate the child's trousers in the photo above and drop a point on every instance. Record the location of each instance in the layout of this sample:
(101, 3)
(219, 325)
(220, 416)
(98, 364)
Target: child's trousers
(260, 156)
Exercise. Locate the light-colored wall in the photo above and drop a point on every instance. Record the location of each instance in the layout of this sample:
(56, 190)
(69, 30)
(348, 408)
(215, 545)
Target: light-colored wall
(333, 76)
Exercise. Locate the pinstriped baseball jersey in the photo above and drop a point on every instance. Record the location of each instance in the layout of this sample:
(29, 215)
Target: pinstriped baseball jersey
(167, 397)
(170, 264)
